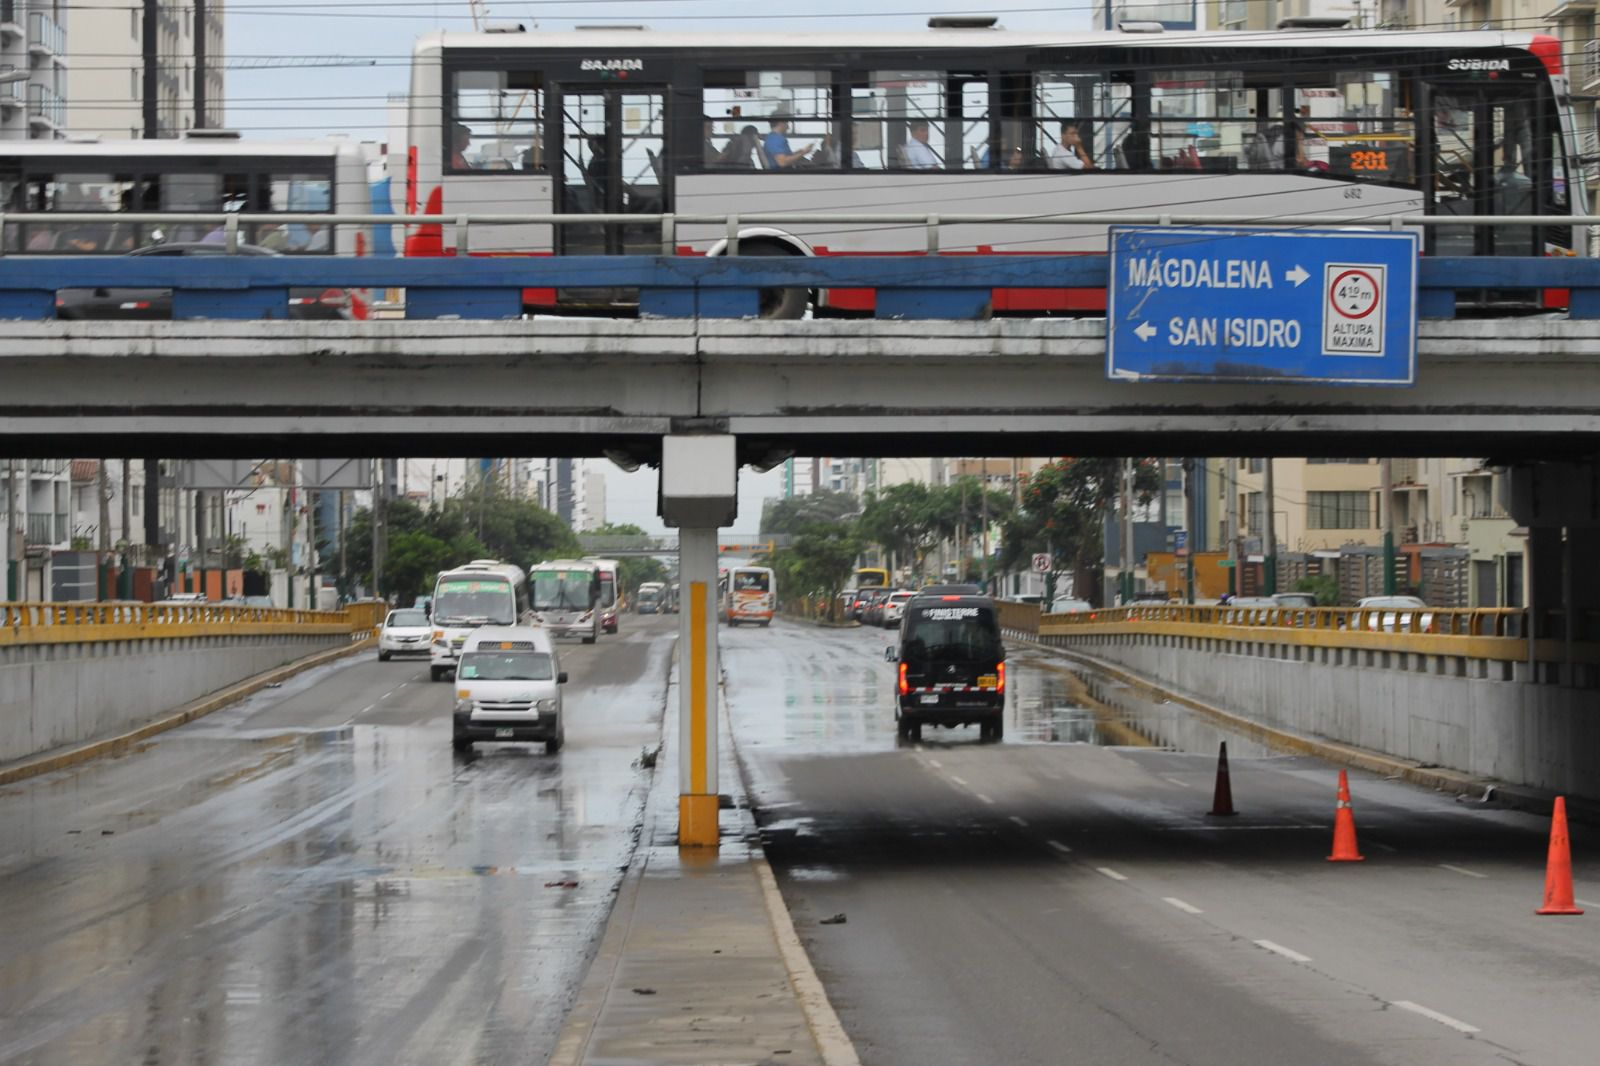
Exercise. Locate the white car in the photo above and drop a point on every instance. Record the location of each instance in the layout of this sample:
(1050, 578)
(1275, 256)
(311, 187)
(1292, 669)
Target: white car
(894, 611)
(508, 687)
(1390, 614)
(405, 632)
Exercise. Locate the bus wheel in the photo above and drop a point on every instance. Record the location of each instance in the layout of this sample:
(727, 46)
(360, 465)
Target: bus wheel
(777, 303)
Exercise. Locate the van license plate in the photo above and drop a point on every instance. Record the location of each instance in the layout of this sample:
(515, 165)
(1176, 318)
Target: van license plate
(505, 733)
(988, 681)
(932, 697)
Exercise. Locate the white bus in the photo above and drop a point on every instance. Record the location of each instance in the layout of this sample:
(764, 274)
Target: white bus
(200, 174)
(566, 597)
(977, 119)
(651, 597)
(752, 595)
(610, 593)
(483, 592)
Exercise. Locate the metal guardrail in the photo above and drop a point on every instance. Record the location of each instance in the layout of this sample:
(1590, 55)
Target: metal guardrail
(731, 225)
(1500, 634)
(87, 623)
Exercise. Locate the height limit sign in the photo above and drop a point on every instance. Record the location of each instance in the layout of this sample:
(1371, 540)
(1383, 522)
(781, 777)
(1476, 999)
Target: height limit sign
(1353, 318)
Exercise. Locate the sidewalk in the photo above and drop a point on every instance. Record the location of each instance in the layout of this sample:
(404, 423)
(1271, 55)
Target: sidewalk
(699, 963)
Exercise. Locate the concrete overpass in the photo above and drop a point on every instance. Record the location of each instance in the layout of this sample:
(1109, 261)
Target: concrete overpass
(1514, 386)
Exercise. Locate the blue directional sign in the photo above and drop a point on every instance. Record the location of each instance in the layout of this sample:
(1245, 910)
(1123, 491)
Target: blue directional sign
(1239, 304)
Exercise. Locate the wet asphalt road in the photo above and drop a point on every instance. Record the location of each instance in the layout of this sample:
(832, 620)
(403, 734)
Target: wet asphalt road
(313, 877)
(1062, 897)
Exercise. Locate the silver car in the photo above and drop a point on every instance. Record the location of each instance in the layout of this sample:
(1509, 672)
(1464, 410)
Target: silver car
(405, 632)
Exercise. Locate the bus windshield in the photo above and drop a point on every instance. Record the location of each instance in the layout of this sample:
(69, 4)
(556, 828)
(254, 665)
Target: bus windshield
(474, 601)
(506, 666)
(563, 590)
(752, 581)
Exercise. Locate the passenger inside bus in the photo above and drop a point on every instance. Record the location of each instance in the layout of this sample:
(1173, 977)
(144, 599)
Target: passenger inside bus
(775, 148)
(1069, 153)
(461, 140)
(739, 153)
(918, 153)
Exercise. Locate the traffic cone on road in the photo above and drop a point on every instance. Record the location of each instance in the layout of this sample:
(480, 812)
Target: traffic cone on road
(1344, 826)
(1222, 798)
(1558, 868)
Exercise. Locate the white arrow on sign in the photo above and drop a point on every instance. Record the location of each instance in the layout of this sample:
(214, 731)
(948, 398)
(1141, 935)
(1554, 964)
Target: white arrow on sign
(1298, 275)
(1145, 331)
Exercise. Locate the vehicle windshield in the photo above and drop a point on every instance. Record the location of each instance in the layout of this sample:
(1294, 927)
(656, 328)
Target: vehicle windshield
(474, 601)
(506, 666)
(952, 633)
(563, 590)
(408, 618)
(1393, 601)
(648, 595)
(752, 581)
(608, 589)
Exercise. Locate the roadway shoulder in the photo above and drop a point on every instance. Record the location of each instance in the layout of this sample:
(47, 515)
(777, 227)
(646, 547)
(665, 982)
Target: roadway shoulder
(119, 743)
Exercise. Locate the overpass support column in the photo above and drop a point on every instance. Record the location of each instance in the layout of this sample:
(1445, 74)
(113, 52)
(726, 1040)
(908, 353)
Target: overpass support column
(699, 494)
(1559, 503)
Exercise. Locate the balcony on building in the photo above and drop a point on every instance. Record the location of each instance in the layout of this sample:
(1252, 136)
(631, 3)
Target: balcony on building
(12, 93)
(45, 35)
(46, 108)
(9, 26)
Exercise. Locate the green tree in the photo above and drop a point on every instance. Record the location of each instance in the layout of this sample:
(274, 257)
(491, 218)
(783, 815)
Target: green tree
(824, 557)
(633, 571)
(905, 520)
(1065, 506)
(1323, 586)
(793, 513)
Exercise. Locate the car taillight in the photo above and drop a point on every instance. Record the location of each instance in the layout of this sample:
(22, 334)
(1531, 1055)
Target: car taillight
(904, 688)
(1000, 677)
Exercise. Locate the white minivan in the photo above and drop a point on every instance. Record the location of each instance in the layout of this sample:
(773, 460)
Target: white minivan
(508, 688)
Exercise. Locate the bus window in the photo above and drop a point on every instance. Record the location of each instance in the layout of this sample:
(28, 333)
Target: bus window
(900, 122)
(1351, 125)
(1083, 121)
(298, 193)
(1199, 119)
(768, 120)
(971, 134)
(80, 192)
(497, 118)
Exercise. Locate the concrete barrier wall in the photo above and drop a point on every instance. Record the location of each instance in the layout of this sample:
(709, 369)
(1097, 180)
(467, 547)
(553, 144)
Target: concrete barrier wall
(53, 695)
(1436, 710)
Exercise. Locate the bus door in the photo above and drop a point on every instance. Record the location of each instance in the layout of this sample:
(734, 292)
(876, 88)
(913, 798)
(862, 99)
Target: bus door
(1496, 150)
(613, 162)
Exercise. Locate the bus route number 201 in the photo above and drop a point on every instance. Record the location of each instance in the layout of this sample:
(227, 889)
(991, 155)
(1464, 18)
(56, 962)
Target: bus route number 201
(1369, 161)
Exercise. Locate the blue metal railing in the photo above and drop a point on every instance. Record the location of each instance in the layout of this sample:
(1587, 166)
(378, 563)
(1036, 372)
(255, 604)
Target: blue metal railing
(920, 287)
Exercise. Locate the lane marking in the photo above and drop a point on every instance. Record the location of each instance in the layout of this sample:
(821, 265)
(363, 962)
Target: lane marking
(958, 780)
(1443, 1019)
(1062, 848)
(1187, 908)
(936, 764)
(368, 707)
(1379, 844)
(832, 1041)
(1109, 872)
(985, 799)
(1023, 822)
(1585, 903)
(1278, 949)
(1180, 784)
(1463, 871)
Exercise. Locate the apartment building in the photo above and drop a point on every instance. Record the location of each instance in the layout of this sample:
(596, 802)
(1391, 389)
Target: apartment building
(107, 80)
(33, 38)
(35, 502)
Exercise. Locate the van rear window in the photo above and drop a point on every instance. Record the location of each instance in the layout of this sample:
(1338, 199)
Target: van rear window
(953, 632)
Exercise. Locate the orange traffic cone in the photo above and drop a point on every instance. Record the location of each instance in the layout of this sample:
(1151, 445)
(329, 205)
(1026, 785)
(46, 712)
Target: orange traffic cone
(1344, 826)
(1222, 798)
(1558, 868)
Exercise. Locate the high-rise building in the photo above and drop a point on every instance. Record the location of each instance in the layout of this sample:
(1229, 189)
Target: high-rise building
(33, 38)
(107, 67)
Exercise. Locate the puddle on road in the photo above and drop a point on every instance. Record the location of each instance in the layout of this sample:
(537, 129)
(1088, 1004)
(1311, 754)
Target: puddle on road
(1057, 704)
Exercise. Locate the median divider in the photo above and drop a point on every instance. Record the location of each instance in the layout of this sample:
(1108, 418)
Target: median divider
(700, 962)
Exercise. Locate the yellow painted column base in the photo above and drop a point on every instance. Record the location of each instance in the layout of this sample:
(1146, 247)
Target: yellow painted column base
(697, 821)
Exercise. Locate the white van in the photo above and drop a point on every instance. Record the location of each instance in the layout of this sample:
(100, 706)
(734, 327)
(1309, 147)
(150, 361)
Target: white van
(508, 687)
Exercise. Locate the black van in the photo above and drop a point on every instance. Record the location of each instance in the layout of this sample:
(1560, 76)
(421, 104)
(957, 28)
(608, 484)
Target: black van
(952, 668)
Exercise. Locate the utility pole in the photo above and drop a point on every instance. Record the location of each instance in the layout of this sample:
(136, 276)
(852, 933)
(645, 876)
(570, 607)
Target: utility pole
(314, 597)
(200, 86)
(343, 558)
(983, 491)
(1271, 541)
(1191, 542)
(380, 532)
(14, 543)
(103, 490)
(1386, 519)
(1230, 494)
(1126, 577)
(150, 43)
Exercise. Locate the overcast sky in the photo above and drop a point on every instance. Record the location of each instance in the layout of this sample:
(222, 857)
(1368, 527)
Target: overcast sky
(315, 101)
